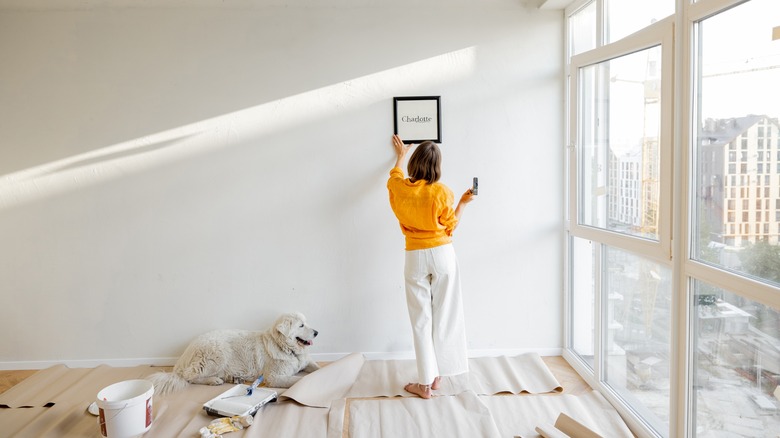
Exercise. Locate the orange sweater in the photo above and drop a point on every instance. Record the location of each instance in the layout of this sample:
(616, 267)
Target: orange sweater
(424, 211)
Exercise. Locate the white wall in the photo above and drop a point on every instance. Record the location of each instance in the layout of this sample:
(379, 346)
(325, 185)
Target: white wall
(169, 170)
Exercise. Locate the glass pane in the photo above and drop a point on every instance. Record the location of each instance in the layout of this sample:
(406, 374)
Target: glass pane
(619, 130)
(625, 17)
(582, 30)
(583, 284)
(637, 341)
(735, 365)
(738, 155)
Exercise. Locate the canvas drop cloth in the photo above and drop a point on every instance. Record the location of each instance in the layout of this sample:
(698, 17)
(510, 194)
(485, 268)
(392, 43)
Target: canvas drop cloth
(351, 397)
(469, 415)
(486, 376)
(519, 416)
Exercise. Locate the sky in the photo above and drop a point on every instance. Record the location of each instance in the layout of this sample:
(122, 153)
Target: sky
(741, 62)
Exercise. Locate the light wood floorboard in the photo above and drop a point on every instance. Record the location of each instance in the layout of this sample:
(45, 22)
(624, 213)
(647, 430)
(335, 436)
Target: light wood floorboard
(8, 379)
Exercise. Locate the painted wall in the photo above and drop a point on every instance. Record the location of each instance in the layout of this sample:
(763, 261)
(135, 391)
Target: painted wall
(169, 170)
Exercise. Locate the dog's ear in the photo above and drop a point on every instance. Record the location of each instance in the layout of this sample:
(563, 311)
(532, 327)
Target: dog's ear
(284, 327)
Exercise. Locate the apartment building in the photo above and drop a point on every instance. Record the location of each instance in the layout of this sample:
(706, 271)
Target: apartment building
(739, 175)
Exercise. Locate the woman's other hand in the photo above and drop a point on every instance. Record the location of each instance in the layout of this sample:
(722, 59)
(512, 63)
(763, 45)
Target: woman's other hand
(467, 197)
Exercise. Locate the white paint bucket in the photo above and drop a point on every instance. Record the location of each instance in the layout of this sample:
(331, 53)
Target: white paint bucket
(125, 408)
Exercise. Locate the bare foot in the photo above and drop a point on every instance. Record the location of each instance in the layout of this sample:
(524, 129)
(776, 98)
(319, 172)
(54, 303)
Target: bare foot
(423, 391)
(435, 384)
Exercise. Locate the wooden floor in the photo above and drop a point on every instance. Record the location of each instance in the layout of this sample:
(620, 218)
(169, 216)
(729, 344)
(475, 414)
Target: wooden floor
(571, 382)
(568, 378)
(10, 378)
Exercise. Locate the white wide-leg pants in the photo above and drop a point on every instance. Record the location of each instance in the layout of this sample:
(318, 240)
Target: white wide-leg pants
(433, 297)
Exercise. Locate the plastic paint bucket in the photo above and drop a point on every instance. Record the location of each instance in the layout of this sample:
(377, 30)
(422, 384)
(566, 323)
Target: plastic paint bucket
(125, 408)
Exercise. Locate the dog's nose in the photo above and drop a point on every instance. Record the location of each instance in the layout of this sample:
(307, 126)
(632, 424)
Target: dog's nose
(316, 333)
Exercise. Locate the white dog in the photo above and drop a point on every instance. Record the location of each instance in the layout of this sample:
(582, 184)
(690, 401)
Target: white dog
(219, 356)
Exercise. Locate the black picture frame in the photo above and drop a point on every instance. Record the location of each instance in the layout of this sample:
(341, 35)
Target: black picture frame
(417, 118)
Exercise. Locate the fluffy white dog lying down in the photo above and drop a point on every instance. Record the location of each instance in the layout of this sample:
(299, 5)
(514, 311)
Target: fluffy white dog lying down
(219, 356)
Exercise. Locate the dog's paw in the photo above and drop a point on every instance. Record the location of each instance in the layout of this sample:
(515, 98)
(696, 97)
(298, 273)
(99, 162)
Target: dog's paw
(214, 381)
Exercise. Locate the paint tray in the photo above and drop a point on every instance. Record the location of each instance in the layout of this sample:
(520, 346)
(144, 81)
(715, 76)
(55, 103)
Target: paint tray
(235, 401)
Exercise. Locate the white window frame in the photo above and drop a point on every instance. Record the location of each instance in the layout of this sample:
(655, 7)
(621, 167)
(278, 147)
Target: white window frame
(659, 34)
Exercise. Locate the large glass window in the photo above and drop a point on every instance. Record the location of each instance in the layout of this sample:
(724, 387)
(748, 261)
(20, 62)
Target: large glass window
(582, 29)
(620, 288)
(620, 113)
(739, 63)
(583, 286)
(686, 342)
(735, 366)
(638, 325)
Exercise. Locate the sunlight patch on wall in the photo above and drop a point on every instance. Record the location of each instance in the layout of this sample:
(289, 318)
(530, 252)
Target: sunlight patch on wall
(116, 161)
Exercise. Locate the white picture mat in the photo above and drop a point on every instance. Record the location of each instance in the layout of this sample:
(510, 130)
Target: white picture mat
(418, 119)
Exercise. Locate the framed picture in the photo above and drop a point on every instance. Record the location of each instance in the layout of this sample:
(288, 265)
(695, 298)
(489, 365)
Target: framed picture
(417, 118)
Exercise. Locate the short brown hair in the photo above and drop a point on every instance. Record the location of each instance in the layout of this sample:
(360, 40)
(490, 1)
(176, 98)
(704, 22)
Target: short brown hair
(425, 163)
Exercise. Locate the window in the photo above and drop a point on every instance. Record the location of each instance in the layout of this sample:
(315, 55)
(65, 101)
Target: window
(734, 363)
(583, 282)
(622, 99)
(638, 326)
(628, 16)
(723, 68)
(619, 277)
(721, 289)
(582, 29)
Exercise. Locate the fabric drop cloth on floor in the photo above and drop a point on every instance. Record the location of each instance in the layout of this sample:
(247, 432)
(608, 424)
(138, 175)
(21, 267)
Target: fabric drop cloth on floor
(351, 397)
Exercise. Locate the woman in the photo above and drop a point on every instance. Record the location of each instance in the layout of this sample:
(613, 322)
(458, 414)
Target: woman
(424, 210)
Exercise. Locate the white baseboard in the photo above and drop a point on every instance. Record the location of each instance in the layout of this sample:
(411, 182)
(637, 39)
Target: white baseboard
(556, 351)
(88, 363)
(319, 357)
